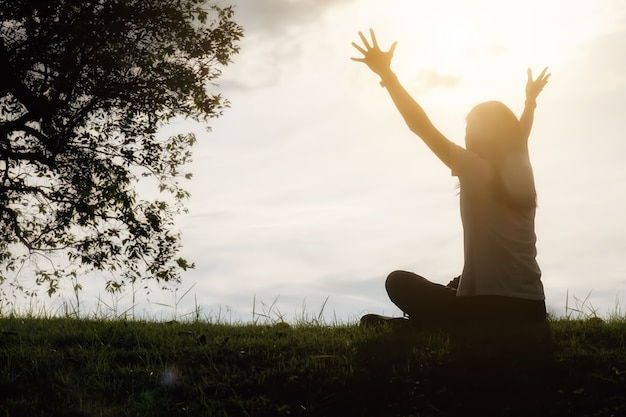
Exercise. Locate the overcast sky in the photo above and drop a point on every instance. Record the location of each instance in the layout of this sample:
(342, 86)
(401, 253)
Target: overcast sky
(311, 188)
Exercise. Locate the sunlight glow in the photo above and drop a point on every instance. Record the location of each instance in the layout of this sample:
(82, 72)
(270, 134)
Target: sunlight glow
(453, 54)
(475, 40)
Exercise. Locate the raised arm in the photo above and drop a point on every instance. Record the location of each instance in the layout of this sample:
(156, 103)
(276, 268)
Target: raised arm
(413, 114)
(533, 88)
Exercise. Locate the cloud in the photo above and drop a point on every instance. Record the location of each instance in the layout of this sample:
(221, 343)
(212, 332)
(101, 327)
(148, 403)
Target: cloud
(275, 16)
(275, 32)
(494, 49)
(433, 79)
(604, 55)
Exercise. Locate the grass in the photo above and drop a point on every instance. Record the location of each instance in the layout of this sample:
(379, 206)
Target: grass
(67, 366)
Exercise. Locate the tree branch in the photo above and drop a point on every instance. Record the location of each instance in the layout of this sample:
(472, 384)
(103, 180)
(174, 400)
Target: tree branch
(16, 227)
(10, 83)
(27, 156)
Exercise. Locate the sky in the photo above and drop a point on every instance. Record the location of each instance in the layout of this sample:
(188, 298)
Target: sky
(310, 188)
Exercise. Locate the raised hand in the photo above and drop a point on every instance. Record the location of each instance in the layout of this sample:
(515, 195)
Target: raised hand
(376, 59)
(534, 87)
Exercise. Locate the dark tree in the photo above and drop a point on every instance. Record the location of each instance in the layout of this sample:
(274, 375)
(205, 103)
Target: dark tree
(84, 87)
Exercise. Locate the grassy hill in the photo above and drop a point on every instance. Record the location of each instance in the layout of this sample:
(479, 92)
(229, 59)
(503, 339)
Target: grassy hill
(80, 367)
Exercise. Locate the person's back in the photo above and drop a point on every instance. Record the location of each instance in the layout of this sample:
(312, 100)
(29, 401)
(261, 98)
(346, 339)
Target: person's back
(497, 202)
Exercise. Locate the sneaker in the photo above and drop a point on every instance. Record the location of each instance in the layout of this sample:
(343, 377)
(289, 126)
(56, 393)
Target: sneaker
(376, 320)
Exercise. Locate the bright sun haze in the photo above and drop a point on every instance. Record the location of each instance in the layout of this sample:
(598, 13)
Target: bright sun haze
(460, 52)
(473, 38)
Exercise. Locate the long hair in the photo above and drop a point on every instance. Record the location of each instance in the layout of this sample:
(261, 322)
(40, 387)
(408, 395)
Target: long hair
(494, 133)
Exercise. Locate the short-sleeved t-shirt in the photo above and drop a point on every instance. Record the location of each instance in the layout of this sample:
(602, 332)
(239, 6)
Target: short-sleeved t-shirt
(499, 240)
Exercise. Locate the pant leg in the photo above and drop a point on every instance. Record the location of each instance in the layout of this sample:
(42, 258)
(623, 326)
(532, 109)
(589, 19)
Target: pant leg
(422, 300)
(494, 308)
(491, 326)
(429, 302)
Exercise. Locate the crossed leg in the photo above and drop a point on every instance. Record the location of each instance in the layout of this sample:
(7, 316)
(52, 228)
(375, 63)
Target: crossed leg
(421, 299)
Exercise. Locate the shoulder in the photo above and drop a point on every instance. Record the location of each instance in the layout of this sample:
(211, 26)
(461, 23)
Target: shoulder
(467, 164)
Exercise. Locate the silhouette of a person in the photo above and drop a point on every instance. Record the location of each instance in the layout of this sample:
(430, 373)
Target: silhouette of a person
(501, 278)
